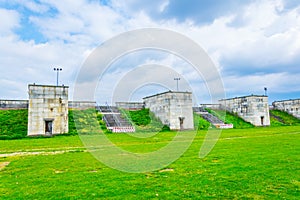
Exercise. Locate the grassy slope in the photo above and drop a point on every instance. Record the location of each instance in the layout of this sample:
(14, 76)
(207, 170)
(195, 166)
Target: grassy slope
(145, 121)
(200, 123)
(281, 118)
(88, 121)
(256, 163)
(230, 118)
(13, 123)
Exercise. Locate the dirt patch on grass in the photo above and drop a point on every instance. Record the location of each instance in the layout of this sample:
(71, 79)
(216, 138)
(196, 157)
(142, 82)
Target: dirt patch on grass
(167, 170)
(3, 164)
(38, 153)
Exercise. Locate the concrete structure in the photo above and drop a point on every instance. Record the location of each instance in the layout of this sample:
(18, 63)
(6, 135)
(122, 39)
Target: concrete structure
(210, 106)
(172, 108)
(81, 105)
(130, 105)
(13, 104)
(47, 110)
(253, 108)
(291, 106)
(23, 104)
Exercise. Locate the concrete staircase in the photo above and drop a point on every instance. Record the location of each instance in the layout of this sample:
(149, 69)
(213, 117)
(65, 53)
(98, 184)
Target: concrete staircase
(114, 120)
(211, 118)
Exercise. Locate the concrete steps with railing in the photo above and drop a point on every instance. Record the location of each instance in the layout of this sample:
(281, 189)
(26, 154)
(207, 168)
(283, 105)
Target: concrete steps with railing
(214, 120)
(114, 120)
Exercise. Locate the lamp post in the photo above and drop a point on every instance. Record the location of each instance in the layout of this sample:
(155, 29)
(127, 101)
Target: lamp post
(57, 70)
(177, 79)
(266, 89)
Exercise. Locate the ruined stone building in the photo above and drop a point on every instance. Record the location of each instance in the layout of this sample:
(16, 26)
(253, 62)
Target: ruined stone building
(253, 108)
(47, 110)
(291, 106)
(172, 108)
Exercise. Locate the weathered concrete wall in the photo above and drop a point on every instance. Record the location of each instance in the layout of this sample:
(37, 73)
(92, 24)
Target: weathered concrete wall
(253, 109)
(81, 104)
(210, 106)
(130, 105)
(13, 104)
(172, 108)
(23, 104)
(47, 110)
(291, 106)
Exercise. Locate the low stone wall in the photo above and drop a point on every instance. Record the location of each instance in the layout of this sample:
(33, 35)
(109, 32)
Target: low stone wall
(13, 104)
(130, 105)
(82, 104)
(23, 104)
(211, 106)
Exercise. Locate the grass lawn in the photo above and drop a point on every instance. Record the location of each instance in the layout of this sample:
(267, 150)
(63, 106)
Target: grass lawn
(254, 163)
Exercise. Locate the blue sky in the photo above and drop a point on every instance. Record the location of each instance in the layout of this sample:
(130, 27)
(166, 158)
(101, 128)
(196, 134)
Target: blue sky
(253, 43)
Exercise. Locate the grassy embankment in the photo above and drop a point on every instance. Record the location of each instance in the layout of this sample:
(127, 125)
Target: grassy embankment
(230, 118)
(145, 121)
(13, 123)
(281, 118)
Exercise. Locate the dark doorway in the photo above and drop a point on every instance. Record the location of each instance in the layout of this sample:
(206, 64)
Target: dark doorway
(181, 119)
(48, 126)
(262, 120)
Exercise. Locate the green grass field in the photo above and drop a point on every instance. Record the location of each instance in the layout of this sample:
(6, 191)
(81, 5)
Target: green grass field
(253, 163)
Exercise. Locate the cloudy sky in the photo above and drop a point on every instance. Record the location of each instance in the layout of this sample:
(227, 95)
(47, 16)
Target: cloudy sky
(253, 44)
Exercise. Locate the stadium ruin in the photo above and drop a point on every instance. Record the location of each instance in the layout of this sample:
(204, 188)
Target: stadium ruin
(48, 107)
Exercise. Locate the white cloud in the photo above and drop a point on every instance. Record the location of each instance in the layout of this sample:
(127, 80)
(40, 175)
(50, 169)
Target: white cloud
(10, 20)
(262, 36)
(275, 82)
(80, 22)
(33, 6)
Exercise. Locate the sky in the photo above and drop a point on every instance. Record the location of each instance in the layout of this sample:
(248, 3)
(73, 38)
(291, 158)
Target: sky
(253, 44)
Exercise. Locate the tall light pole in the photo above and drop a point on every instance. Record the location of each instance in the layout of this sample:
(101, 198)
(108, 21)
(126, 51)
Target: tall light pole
(177, 79)
(57, 70)
(266, 89)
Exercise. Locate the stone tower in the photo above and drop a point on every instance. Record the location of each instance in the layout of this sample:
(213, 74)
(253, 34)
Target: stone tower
(253, 108)
(47, 110)
(172, 108)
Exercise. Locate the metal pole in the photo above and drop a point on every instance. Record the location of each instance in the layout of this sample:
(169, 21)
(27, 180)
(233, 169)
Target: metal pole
(57, 78)
(177, 79)
(57, 74)
(265, 91)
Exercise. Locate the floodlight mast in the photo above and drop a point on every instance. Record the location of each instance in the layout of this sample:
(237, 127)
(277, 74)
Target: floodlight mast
(266, 89)
(177, 79)
(57, 72)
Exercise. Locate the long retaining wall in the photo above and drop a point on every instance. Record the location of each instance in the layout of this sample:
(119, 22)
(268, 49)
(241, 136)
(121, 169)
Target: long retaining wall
(13, 104)
(6, 104)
